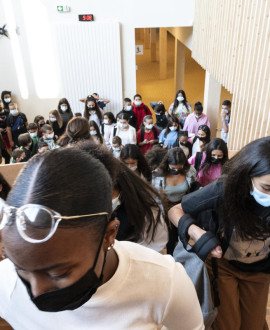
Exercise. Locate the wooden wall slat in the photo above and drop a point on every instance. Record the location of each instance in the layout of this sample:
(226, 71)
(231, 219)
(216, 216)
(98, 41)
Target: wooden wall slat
(231, 40)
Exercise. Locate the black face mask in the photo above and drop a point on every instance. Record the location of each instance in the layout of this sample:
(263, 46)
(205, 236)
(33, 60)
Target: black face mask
(70, 297)
(202, 138)
(1, 108)
(216, 160)
(183, 144)
(40, 125)
(175, 172)
(91, 109)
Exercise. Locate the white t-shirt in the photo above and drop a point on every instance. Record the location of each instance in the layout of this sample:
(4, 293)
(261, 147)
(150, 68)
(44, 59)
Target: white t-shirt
(107, 134)
(127, 136)
(148, 290)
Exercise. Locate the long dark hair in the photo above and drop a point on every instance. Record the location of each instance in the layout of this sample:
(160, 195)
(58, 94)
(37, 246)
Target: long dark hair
(214, 144)
(84, 183)
(139, 197)
(176, 102)
(252, 161)
(134, 152)
(77, 129)
(170, 122)
(95, 125)
(5, 187)
(175, 156)
(64, 101)
(96, 108)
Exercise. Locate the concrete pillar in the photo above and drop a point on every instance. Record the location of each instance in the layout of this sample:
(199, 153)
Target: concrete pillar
(153, 44)
(179, 65)
(163, 53)
(146, 38)
(212, 91)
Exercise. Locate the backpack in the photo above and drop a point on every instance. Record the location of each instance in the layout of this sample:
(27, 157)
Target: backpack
(153, 130)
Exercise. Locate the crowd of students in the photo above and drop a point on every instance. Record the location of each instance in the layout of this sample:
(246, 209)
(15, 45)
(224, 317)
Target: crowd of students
(157, 182)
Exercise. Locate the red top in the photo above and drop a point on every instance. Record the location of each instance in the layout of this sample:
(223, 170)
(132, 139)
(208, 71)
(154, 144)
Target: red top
(147, 136)
(140, 113)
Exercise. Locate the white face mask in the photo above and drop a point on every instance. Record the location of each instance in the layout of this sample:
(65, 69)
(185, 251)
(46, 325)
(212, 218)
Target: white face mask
(33, 135)
(7, 100)
(53, 120)
(226, 111)
(260, 197)
(49, 136)
(93, 132)
(63, 107)
(137, 103)
(123, 125)
(173, 128)
(198, 116)
(150, 126)
(115, 202)
(134, 168)
(115, 148)
(14, 112)
(106, 121)
(129, 107)
(180, 98)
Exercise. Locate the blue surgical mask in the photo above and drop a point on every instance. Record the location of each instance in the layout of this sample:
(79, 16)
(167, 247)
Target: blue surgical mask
(260, 197)
(93, 132)
(150, 126)
(173, 128)
(129, 107)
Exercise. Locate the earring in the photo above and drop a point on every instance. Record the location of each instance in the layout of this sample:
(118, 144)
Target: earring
(109, 248)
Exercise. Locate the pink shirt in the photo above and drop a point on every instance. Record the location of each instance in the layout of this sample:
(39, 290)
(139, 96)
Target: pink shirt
(204, 178)
(192, 125)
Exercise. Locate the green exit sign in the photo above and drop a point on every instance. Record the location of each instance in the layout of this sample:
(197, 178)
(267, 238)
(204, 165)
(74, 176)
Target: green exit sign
(63, 9)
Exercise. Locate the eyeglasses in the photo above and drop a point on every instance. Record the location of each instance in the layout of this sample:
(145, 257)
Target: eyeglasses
(35, 223)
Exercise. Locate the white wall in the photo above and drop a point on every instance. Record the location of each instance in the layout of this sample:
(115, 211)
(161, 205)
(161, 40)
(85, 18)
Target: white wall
(130, 14)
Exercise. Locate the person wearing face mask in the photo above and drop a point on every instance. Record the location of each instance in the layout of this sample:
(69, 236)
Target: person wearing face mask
(194, 120)
(92, 110)
(75, 267)
(225, 119)
(140, 109)
(201, 139)
(161, 115)
(40, 121)
(169, 135)
(128, 110)
(126, 132)
(95, 134)
(55, 121)
(147, 135)
(209, 164)
(6, 99)
(237, 235)
(32, 130)
(132, 156)
(180, 108)
(116, 146)
(176, 181)
(183, 143)
(65, 111)
(16, 124)
(48, 137)
(106, 127)
(25, 143)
